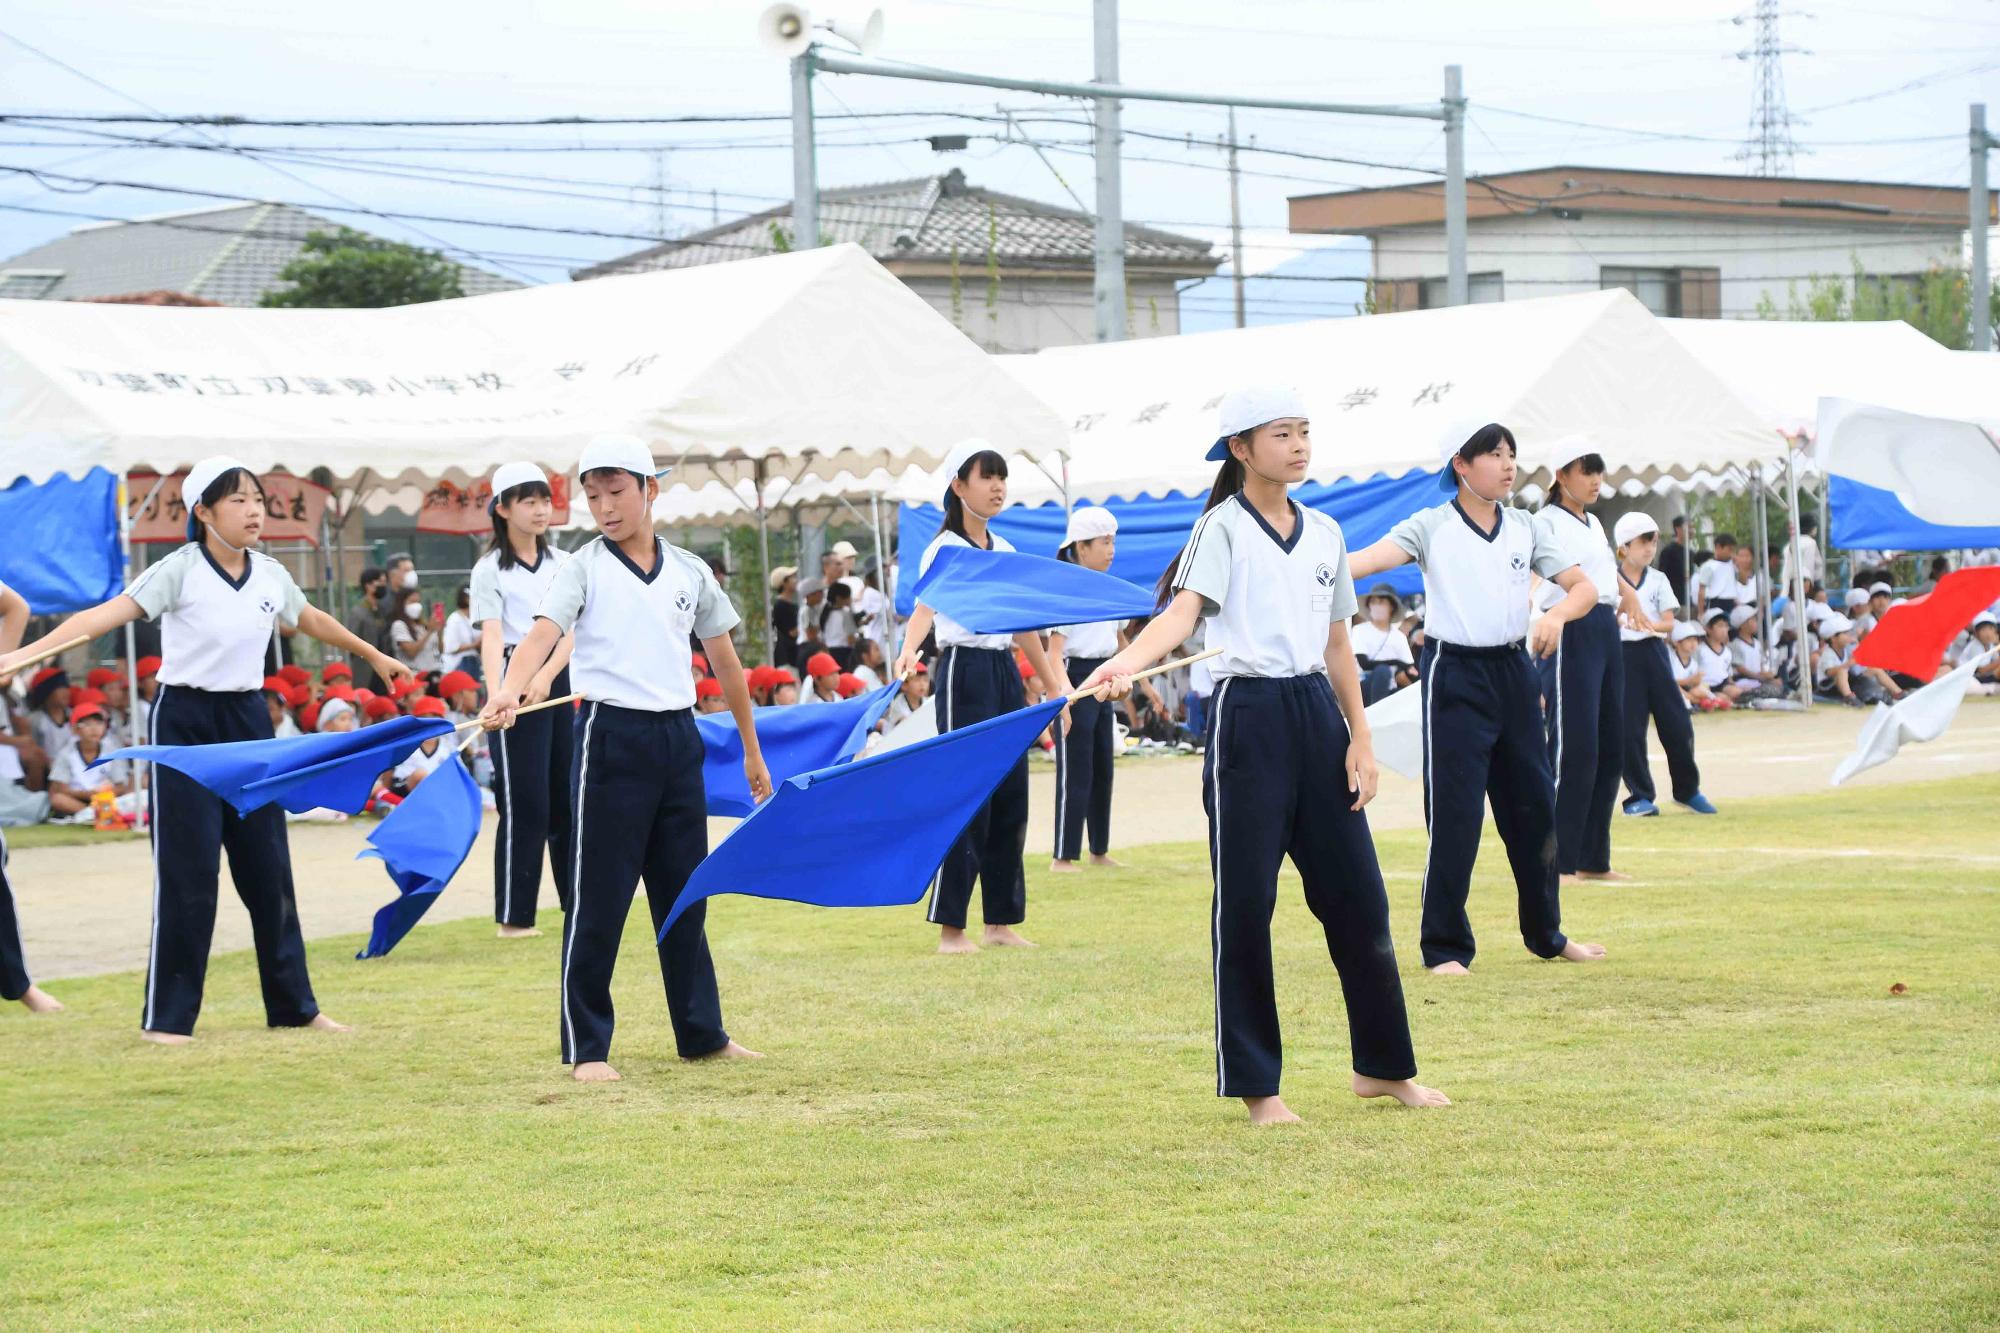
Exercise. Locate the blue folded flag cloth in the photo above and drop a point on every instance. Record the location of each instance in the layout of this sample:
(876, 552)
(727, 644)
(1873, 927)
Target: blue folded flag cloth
(422, 844)
(336, 769)
(1005, 592)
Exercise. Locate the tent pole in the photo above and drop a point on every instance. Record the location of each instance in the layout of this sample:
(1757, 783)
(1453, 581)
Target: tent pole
(1760, 518)
(1798, 589)
(131, 635)
(881, 572)
(764, 565)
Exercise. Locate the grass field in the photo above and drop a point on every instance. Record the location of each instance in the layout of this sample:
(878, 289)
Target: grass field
(1732, 1121)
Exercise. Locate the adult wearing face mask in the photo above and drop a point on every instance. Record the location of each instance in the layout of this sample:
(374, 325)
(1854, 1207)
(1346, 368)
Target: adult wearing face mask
(414, 637)
(368, 621)
(1380, 649)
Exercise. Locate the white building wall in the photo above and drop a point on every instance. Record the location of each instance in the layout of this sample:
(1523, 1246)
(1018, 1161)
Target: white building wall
(1028, 314)
(1544, 255)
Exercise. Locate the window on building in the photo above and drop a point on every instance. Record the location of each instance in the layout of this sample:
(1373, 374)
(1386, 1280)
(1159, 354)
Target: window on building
(1678, 293)
(1429, 293)
(28, 284)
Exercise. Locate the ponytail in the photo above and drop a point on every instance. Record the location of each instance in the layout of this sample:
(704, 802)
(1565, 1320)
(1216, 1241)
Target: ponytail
(501, 546)
(1228, 482)
(1067, 554)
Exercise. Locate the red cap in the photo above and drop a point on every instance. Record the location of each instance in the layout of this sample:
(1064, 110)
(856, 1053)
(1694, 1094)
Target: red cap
(379, 705)
(332, 669)
(759, 677)
(822, 664)
(99, 677)
(86, 696)
(148, 667)
(701, 663)
(783, 676)
(83, 711)
(426, 707)
(295, 675)
(42, 677)
(341, 692)
(403, 689)
(297, 697)
(708, 688)
(455, 682)
(309, 717)
(362, 696)
(276, 684)
(920, 670)
(850, 685)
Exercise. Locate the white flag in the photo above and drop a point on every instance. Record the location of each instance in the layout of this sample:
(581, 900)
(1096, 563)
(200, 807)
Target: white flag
(1920, 715)
(1398, 724)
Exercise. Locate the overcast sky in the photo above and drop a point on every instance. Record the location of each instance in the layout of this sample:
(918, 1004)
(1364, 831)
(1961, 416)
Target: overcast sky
(1881, 92)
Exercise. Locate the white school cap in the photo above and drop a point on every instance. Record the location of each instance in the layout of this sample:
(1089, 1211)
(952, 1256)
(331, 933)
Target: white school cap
(1833, 625)
(1713, 614)
(625, 453)
(1686, 629)
(1244, 410)
(1568, 449)
(509, 475)
(1453, 438)
(845, 550)
(330, 710)
(962, 453)
(1741, 614)
(1874, 588)
(1089, 522)
(1985, 618)
(1633, 525)
(1857, 596)
(203, 475)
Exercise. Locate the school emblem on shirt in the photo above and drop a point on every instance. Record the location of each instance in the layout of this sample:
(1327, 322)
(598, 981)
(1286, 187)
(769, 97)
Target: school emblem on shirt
(1323, 575)
(683, 603)
(1518, 561)
(268, 607)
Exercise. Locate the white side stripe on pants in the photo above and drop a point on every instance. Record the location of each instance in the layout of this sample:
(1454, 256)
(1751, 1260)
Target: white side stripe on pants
(576, 878)
(1429, 685)
(153, 950)
(945, 661)
(507, 870)
(1215, 928)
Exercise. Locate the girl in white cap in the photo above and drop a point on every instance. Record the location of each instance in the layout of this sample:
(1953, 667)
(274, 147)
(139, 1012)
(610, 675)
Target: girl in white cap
(1652, 689)
(975, 678)
(632, 603)
(531, 760)
(218, 601)
(1482, 699)
(1583, 682)
(1290, 761)
(1084, 759)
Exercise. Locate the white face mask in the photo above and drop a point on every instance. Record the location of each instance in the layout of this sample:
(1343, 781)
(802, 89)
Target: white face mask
(413, 610)
(1378, 612)
(410, 579)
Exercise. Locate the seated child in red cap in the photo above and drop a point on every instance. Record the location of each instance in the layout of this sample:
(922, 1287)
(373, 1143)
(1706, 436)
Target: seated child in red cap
(276, 695)
(784, 687)
(71, 780)
(825, 674)
(708, 696)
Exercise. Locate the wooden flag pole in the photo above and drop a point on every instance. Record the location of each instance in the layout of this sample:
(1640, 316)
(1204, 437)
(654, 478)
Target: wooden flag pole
(1091, 693)
(44, 656)
(531, 708)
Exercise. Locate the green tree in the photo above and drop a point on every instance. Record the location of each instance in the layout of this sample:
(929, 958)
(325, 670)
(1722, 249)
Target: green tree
(1937, 302)
(352, 270)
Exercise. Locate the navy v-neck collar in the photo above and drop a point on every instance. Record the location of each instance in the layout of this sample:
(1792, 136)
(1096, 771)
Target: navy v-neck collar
(1629, 580)
(541, 555)
(236, 585)
(1583, 518)
(1499, 521)
(1298, 523)
(644, 576)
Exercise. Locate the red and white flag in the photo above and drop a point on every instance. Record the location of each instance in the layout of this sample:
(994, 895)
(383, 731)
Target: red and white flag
(1912, 637)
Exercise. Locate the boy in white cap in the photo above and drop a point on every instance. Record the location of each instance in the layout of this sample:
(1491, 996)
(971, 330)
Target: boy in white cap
(1290, 759)
(1652, 688)
(1483, 729)
(219, 602)
(1084, 760)
(631, 603)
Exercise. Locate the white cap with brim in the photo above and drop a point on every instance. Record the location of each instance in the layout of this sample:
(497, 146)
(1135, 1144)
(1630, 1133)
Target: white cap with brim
(1455, 437)
(1088, 523)
(1740, 615)
(330, 710)
(845, 550)
(780, 574)
(1713, 614)
(623, 453)
(509, 475)
(202, 476)
(1686, 629)
(1985, 618)
(1632, 526)
(1243, 410)
(1857, 596)
(1833, 625)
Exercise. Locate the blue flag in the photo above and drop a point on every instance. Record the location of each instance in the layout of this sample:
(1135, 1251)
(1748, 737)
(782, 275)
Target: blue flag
(794, 739)
(869, 833)
(422, 843)
(336, 769)
(1005, 592)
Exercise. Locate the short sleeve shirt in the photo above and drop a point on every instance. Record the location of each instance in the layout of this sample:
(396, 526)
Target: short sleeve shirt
(512, 595)
(215, 631)
(1656, 598)
(1269, 601)
(632, 625)
(1475, 579)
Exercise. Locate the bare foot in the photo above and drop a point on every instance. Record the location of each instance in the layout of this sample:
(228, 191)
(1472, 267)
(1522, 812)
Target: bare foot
(1568, 881)
(730, 1052)
(1270, 1111)
(951, 939)
(1404, 1090)
(594, 1071)
(1451, 970)
(1578, 952)
(166, 1038)
(39, 1001)
(518, 932)
(1097, 860)
(1605, 876)
(1004, 937)
(1064, 867)
(321, 1023)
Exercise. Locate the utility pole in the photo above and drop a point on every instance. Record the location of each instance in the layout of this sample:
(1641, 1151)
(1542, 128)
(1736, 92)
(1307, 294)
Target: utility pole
(1770, 150)
(1978, 213)
(805, 170)
(1108, 286)
(1457, 285)
(1235, 222)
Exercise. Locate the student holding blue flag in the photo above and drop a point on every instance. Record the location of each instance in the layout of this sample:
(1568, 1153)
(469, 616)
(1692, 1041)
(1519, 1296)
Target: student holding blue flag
(15, 983)
(1084, 759)
(1290, 759)
(975, 679)
(531, 760)
(630, 603)
(218, 601)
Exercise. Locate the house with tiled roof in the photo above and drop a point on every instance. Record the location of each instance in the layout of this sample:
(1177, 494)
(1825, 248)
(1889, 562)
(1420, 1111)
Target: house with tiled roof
(229, 255)
(1013, 273)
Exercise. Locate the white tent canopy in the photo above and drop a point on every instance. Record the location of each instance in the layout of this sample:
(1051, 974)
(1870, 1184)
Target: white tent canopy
(814, 363)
